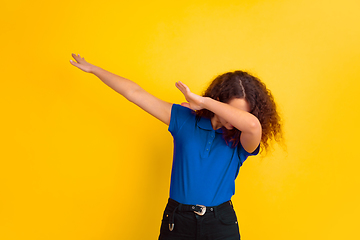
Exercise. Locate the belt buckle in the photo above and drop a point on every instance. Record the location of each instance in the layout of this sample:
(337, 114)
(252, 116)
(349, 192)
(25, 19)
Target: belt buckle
(203, 210)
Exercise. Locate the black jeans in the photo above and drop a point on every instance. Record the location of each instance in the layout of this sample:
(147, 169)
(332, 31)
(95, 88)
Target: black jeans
(218, 222)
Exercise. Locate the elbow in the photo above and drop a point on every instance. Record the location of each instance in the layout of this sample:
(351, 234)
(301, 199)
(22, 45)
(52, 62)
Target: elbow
(251, 138)
(255, 127)
(132, 93)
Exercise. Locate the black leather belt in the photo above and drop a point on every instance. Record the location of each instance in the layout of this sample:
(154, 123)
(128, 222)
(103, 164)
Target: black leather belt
(197, 209)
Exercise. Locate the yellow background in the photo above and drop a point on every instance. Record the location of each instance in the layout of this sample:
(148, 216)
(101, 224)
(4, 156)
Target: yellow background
(80, 162)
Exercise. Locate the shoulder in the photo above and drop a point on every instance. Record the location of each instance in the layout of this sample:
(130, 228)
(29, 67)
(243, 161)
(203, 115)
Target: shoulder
(178, 109)
(179, 116)
(181, 113)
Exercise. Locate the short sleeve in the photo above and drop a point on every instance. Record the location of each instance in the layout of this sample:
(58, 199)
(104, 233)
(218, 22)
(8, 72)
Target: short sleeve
(243, 154)
(179, 115)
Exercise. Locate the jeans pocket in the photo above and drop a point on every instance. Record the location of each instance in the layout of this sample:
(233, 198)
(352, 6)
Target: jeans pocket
(227, 216)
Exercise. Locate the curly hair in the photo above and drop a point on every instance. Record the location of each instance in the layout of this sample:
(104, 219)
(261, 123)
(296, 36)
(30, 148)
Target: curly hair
(240, 84)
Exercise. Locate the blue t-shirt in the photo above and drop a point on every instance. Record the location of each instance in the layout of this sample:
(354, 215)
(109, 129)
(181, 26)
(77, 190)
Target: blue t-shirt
(204, 167)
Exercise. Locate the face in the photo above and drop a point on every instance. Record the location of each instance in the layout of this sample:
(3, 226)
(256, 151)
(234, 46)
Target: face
(239, 103)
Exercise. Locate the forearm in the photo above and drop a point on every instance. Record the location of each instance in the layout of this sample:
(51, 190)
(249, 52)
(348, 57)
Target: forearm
(240, 119)
(121, 85)
(235, 113)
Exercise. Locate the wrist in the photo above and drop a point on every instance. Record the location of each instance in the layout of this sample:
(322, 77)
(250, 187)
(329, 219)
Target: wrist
(94, 69)
(205, 102)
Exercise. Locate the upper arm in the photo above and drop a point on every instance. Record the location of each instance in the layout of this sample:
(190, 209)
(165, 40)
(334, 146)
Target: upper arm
(151, 104)
(250, 139)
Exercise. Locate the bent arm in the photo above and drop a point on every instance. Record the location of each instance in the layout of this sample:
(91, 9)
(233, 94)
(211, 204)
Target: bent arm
(129, 89)
(237, 116)
(247, 123)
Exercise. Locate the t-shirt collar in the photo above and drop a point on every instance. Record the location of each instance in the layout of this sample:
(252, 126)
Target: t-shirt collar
(205, 123)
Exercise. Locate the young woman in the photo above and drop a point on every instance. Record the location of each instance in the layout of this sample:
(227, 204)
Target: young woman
(213, 135)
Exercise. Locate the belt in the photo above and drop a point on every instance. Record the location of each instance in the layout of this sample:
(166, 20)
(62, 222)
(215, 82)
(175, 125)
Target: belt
(197, 209)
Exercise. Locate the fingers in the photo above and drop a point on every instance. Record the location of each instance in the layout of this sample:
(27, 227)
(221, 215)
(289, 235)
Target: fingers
(74, 63)
(78, 58)
(75, 57)
(182, 84)
(182, 87)
(78, 61)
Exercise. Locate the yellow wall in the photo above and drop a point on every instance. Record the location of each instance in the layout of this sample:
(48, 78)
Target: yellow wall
(79, 162)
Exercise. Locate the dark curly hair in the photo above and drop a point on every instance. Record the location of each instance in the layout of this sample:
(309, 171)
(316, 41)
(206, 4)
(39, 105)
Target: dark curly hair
(239, 84)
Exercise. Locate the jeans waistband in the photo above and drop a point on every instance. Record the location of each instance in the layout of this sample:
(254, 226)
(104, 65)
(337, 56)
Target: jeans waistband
(186, 207)
(197, 209)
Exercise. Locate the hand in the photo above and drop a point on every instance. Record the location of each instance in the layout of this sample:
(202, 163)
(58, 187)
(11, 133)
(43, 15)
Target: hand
(81, 63)
(194, 101)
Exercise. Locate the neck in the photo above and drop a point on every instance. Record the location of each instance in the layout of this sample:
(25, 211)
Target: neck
(215, 123)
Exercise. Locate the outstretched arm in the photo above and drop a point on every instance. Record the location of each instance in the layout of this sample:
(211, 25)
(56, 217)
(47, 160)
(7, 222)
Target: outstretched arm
(129, 89)
(238, 117)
